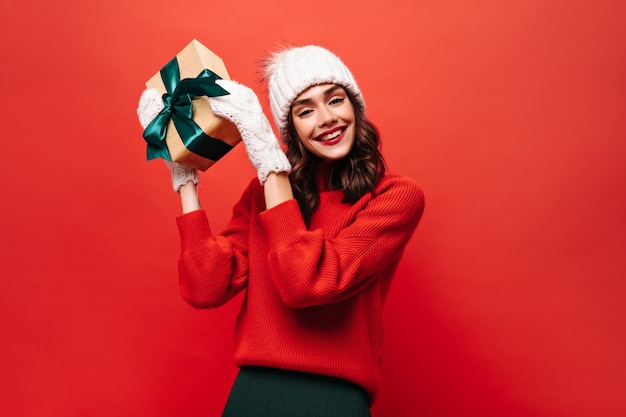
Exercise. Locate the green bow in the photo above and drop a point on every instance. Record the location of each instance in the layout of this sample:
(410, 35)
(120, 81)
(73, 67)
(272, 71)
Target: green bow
(178, 108)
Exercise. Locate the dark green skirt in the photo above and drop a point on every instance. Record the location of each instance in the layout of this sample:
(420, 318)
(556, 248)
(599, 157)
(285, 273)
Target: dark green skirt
(270, 392)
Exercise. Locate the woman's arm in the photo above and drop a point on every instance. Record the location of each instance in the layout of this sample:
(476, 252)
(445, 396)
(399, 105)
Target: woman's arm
(213, 268)
(277, 189)
(189, 197)
(316, 266)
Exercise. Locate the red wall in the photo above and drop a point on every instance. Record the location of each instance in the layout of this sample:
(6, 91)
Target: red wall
(510, 114)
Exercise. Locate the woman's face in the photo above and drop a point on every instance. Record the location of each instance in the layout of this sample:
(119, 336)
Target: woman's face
(324, 119)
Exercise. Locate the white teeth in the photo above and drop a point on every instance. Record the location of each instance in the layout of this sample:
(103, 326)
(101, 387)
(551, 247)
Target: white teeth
(330, 136)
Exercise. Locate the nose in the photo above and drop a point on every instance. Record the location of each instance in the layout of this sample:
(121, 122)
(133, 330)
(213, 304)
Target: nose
(326, 116)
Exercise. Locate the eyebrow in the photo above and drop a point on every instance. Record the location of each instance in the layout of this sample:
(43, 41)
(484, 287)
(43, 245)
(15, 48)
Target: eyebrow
(326, 93)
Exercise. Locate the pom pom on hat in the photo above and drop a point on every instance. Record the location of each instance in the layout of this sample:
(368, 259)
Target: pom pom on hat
(290, 71)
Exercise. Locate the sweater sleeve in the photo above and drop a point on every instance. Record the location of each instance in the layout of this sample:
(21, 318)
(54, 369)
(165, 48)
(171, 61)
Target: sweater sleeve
(212, 268)
(308, 269)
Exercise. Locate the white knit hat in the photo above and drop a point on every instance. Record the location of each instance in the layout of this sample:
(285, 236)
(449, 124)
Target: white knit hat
(291, 71)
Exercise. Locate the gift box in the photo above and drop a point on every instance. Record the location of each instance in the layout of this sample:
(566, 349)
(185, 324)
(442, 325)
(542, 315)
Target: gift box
(187, 130)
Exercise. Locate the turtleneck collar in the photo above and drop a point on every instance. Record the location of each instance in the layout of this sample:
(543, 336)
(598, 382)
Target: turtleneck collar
(322, 169)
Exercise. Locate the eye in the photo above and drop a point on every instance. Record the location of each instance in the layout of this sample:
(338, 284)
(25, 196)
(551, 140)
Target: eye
(303, 112)
(337, 100)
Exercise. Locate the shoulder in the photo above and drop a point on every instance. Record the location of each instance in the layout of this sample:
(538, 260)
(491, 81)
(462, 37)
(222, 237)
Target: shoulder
(400, 194)
(400, 185)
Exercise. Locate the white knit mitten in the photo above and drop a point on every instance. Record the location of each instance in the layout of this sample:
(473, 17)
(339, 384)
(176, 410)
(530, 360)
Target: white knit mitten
(150, 105)
(181, 174)
(242, 107)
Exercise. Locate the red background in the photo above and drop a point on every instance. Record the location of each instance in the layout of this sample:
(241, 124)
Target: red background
(509, 301)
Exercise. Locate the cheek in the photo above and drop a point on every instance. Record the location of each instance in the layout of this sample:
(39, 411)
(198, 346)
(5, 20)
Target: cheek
(309, 146)
(348, 114)
(303, 129)
(351, 139)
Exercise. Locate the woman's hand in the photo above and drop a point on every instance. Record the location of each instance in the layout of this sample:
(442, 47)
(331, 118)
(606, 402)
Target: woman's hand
(150, 105)
(242, 107)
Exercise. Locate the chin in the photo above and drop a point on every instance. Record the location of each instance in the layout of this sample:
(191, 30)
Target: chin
(335, 155)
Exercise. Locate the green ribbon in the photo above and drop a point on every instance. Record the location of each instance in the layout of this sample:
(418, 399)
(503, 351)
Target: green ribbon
(178, 108)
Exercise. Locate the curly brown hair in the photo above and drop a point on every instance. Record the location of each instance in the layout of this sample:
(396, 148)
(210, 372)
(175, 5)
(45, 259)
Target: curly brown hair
(356, 174)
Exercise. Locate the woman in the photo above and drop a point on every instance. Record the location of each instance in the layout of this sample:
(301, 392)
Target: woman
(314, 242)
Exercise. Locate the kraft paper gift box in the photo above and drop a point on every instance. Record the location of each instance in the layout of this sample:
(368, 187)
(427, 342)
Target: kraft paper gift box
(187, 131)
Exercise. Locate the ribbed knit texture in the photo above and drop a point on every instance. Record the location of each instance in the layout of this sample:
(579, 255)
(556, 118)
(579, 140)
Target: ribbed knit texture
(181, 174)
(314, 296)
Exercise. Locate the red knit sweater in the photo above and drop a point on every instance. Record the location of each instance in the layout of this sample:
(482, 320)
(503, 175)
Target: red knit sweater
(314, 296)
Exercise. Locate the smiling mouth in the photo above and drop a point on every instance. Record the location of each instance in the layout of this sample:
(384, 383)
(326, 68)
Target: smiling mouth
(330, 136)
